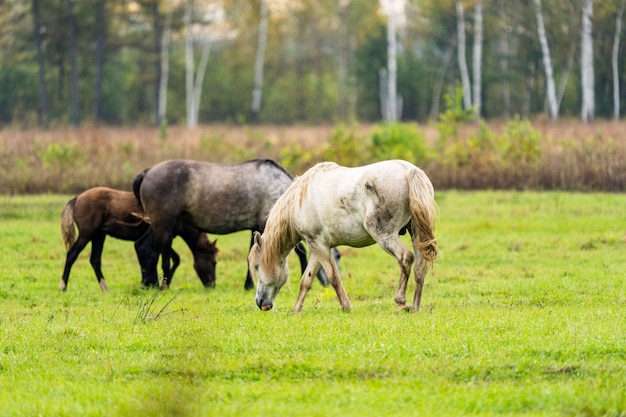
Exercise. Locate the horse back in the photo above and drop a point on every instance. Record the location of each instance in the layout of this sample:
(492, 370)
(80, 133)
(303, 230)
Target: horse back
(217, 198)
(109, 210)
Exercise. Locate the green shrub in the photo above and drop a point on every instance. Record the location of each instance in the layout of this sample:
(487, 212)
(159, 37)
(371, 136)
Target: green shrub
(522, 143)
(399, 141)
(346, 147)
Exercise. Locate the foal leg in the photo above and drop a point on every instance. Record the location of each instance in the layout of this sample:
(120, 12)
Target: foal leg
(97, 245)
(70, 258)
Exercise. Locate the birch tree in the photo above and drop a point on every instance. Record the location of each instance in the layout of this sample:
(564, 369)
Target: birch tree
(614, 56)
(389, 78)
(100, 44)
(257, 92)
(165, 66)
(465, 80)
(586, 63)
(73, 61)
(206, 35)
(477, 57)
(547, 63)
(43, 89)
(503, 47)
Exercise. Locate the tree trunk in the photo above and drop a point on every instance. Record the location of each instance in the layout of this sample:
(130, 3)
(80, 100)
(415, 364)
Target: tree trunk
(547, 63)
(441, 74)
(465, 81)
(165, 67)
(392, 73)
(189, 64)
(199, 78)
(568, 70)
(504, 60)
(43, 90)
(257, 92)
(100, 42)
(477, 57)
(586, 63)
(73, 61)
(614, 61)
(343, 59)
(157, 42)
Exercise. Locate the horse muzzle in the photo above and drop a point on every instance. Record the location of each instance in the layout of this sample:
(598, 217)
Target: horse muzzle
(264, 305)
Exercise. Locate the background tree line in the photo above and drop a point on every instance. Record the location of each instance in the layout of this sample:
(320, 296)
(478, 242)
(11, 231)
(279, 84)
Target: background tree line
(282, 61)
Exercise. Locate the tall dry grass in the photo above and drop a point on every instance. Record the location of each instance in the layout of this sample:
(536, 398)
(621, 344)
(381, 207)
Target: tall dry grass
(574, 156)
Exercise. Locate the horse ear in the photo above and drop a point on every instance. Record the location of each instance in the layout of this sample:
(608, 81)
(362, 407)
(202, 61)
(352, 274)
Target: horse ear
(257, 238)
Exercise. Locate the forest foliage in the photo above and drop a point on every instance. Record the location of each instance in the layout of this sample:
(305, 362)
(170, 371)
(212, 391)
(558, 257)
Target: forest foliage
(322, 62)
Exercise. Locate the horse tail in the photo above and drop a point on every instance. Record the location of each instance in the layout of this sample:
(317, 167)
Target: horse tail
(423, 213)
(68, 232)
(137, 185)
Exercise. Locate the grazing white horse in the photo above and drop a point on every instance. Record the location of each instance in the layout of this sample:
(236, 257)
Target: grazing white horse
(330, 205)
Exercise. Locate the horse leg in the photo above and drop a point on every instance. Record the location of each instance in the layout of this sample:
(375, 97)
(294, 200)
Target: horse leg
(97, 245)
(306, 282)
(249, 284)
(323, 256)
(168, 273)
(70, 258)
(148, 255)
(393, 246)
(420, 270)
(321, 274)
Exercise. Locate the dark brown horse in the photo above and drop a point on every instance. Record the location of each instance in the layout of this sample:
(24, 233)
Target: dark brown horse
(215, 198)
(102, 211)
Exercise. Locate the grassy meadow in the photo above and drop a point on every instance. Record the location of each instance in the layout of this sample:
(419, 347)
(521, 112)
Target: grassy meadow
(525, 314)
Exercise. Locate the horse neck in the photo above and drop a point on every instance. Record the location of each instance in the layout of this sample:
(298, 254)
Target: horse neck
(279, 239)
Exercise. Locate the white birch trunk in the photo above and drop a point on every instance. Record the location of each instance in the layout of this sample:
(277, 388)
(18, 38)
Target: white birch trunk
(477, 57)
(465, 81)
(441, 74)
(392, 73)
(189, 64)
(199, 78)
(563, 82)
(547, 63)
(614, 56)
(165, 66)
(257, 91)
(504, 60)
(586, 63)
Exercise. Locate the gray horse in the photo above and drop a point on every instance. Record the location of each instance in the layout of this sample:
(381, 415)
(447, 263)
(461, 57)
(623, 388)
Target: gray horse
(215, 198)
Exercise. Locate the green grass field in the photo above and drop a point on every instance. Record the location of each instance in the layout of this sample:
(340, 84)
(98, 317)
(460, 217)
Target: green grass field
(525, 314)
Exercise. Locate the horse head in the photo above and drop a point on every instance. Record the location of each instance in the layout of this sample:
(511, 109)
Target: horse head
(270, 274)
(205, 260)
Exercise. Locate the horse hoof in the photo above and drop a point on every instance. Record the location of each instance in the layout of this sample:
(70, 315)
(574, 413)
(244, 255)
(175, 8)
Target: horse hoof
(404, 307)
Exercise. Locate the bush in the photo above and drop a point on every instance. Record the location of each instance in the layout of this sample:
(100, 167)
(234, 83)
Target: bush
(399, 141)
(346, 147)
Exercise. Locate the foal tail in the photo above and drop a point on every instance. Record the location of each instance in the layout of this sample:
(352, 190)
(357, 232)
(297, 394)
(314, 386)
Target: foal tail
(423, 214)
(137, 185)
(68, 232)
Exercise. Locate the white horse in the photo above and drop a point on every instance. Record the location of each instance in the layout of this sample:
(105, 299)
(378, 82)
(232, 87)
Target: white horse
(330, 205)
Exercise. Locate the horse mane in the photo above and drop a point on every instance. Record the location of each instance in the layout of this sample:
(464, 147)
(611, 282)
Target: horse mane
(270, 162)
(280, 234)
(137, 185)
